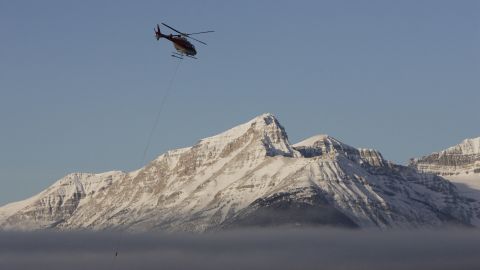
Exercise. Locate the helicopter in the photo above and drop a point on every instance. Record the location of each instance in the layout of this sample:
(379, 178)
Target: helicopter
(180, 42)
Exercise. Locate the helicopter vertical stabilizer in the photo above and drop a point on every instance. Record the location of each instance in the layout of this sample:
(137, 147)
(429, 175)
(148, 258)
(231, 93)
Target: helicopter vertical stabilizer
(158, 34)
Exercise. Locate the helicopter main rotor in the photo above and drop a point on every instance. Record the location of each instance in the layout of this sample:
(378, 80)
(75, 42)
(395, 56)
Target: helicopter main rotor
(188, 35)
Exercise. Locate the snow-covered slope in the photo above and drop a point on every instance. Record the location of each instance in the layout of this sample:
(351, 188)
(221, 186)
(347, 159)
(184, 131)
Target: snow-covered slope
(463, 158)
(248, 175)
(57, 203)
(460, 164)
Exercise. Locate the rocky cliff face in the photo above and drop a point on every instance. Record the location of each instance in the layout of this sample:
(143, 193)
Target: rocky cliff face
(460, 164)
(324, 145)
(58, 202)
(463, 158)
(248, 176)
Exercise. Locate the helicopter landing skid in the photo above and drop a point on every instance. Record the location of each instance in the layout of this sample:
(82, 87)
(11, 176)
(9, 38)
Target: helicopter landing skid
(177, 56)
(180, 56)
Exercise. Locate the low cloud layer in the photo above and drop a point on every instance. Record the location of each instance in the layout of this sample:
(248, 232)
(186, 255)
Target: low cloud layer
(248, 249)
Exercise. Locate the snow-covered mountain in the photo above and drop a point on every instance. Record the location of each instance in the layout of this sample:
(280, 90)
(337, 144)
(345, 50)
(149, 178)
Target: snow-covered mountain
(248, 175)
(459, 164)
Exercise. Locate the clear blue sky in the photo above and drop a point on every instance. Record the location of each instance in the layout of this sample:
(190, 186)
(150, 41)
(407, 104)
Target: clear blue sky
(81, 81)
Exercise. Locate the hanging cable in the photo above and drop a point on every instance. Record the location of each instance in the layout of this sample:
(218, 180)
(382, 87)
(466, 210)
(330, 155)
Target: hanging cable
(147, 146)
(160, 109)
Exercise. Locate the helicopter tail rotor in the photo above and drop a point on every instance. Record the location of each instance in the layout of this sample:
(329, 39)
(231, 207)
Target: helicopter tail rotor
(158, 34)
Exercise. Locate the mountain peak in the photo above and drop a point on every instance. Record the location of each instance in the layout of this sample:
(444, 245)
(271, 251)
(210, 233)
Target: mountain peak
(323, 140)
(324, 145)
(466, 147)
(247, 173)
(260, 121)
(463, 158)
(264, 129)
(266, 121)
(265, 116)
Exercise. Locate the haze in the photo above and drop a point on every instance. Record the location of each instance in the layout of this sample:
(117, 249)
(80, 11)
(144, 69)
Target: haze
(247, 249)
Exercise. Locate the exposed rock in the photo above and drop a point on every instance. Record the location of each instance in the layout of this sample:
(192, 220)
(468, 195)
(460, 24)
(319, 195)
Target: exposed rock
(248, 176)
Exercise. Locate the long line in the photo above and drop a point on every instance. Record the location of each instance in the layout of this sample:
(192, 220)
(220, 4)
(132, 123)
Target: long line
(150, 135)
(160, 109)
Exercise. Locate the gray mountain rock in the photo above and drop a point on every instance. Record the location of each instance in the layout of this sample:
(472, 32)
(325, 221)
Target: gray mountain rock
(460, 164)
(249, 175)
(463, 158)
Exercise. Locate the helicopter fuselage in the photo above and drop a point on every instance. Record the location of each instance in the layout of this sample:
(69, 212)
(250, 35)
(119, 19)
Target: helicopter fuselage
(181, 41)
(181, 44)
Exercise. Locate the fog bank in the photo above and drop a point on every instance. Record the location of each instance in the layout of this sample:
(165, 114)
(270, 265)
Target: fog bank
(247, 249)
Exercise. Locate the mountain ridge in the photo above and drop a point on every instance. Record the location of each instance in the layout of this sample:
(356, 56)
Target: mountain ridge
(249, 175)
(460, 164)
